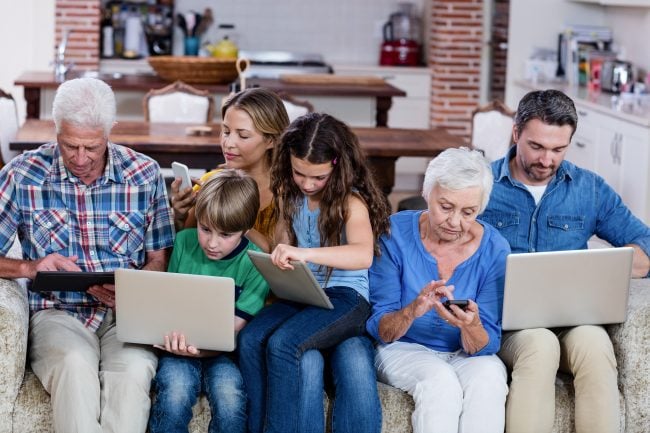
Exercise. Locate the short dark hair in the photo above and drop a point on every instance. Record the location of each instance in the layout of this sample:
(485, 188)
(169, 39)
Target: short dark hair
(550, 106)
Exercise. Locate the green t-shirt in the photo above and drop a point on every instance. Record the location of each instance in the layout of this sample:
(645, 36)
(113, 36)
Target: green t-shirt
(250, 287)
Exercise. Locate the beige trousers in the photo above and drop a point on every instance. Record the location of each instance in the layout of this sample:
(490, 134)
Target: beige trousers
(535, 355)
(96, 383)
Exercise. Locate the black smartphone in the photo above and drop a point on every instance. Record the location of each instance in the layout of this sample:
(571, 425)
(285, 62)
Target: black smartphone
(460, 303)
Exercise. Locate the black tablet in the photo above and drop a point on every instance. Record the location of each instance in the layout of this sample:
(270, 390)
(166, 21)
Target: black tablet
(66, 281)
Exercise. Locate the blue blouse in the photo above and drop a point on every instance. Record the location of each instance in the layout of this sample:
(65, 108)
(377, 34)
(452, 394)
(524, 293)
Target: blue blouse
(405, 267)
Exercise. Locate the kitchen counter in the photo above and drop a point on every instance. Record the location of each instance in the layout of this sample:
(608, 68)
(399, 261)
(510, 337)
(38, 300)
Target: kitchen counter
(36, 82)
(602, 102)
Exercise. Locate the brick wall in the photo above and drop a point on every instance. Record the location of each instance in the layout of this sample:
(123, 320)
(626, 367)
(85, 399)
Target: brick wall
(500, 18)
(81, 18)
(454, 58)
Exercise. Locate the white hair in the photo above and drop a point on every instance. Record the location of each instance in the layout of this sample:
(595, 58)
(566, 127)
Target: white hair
(457, 169)
(86, 103)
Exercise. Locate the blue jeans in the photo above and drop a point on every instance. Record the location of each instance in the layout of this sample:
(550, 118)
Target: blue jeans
(356, 406)
(179, 381)
(271, 347)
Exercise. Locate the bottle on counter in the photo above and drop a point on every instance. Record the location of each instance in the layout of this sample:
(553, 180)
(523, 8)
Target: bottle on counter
(107, 35)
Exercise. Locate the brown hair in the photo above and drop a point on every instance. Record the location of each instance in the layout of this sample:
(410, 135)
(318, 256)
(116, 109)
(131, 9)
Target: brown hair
(320, 138)
(229, 201)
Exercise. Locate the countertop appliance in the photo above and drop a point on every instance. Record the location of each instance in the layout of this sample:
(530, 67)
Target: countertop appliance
(272, 64)
(616, 76)
(401, 45)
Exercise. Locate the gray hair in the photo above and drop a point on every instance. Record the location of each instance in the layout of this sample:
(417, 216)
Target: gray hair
(457, 169)
(86, 103)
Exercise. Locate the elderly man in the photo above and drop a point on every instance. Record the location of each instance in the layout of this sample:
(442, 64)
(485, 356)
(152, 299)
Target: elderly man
(540, 202)
(85, 204)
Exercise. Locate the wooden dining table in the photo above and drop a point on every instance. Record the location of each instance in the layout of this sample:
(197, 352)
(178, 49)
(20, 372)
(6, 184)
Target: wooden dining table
(168, 142)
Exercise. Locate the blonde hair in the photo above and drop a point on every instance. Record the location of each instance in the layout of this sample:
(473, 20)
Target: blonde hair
(228, 201)
(265, 109)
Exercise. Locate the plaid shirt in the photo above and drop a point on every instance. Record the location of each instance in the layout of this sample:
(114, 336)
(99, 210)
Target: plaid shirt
(109, 224)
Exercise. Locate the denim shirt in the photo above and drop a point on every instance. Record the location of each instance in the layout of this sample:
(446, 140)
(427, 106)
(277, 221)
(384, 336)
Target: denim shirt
(577, 204)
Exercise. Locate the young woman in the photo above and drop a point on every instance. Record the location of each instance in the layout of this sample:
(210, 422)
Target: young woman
(253, 121)
(330, 214)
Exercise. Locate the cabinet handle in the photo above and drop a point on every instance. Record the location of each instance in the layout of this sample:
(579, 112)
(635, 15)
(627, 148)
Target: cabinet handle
(582, 113)
(580, 144)
(619, 148)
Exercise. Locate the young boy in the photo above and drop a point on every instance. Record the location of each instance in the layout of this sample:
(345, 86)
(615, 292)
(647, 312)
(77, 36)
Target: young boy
(226, 208)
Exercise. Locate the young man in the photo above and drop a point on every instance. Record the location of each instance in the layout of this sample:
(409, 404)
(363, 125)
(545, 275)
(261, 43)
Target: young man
(226, 208)
(85, 204)
(540, 202)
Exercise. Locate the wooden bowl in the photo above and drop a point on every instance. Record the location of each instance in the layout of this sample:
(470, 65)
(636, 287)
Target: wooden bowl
(194, 70)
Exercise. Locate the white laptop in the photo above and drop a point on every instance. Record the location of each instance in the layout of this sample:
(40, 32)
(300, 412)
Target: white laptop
(297, 285)
(566, 288)
(150, 305)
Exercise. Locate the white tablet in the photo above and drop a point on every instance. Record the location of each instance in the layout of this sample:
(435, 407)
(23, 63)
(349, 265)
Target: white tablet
(297, 284)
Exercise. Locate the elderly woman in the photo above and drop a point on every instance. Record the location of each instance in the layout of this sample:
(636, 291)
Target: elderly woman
(444, 358)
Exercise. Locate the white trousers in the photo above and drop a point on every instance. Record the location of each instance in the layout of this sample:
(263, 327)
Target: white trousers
(453, 392)
(96, 383)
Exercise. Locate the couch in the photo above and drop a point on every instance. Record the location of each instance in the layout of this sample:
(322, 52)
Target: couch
(25, 406)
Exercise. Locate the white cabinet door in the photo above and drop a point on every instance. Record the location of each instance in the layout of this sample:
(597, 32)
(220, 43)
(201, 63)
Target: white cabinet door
(623, 161)
(634, 183)
(609, 154)
(584, 145)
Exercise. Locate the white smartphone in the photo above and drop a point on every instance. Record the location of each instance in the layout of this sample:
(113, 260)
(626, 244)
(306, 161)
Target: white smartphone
(181, 170)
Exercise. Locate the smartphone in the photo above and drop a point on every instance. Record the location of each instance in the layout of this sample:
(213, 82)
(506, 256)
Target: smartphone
(460, 303)
(181, 170)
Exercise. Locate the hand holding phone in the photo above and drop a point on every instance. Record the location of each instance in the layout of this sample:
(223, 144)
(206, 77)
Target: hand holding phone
(180, 170)
(460, 303)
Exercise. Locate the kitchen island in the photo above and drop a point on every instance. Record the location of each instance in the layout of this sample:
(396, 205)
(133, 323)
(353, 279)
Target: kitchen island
(355, 103)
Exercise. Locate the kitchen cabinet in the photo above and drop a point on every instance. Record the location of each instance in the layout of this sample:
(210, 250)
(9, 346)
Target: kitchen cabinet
(584, 145)
(411, 111)
(619, 151)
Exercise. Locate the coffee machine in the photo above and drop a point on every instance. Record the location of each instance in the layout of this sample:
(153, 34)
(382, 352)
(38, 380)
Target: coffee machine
(401, 45)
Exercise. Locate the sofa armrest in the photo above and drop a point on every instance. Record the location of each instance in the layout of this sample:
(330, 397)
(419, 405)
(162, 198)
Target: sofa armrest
(630, 340)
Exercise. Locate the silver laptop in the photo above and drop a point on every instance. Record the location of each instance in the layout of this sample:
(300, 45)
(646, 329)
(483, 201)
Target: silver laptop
(566, 288)
(298, 284)
(150, 305)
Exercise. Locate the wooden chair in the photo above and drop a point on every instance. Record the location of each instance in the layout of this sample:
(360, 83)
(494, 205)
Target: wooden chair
(295, 107)
(491, 134)
(8, 126)
(178, 103)
(492, 129)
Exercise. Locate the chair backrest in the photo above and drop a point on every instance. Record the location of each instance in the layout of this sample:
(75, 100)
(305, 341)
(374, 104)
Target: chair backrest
(295, 107)
(8, 126)
(492, 129)
(178, 103)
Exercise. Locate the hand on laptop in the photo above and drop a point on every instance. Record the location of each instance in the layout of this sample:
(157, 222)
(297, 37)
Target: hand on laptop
(104, 293)
(176, 344)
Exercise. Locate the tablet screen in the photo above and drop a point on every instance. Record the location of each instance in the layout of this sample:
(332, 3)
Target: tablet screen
(66, 281)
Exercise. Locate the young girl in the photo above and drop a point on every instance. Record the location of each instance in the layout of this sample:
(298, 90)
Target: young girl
(330, 214)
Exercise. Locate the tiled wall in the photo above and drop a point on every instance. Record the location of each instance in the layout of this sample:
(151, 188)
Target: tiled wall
(344, 31)
(455, 44)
